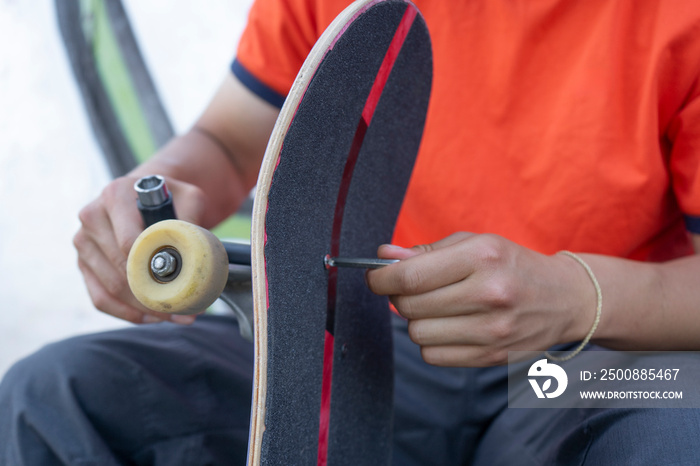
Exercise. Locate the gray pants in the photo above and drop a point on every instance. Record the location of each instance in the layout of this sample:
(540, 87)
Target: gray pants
(170, 395)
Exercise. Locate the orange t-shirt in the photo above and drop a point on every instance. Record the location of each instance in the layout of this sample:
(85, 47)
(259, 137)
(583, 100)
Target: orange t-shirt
(556, 124)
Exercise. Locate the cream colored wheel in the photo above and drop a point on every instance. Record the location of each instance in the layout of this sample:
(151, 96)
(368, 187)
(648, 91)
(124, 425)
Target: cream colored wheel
(177, 267)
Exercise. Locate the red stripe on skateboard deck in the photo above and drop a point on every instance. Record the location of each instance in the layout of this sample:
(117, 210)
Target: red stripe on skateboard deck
(367, 114)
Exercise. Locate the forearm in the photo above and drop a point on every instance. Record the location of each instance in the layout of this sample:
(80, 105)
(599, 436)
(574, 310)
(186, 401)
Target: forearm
(648, 306)
(222, 153)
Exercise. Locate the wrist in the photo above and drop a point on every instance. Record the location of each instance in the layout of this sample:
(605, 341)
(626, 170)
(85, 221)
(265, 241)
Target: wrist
(580, 300)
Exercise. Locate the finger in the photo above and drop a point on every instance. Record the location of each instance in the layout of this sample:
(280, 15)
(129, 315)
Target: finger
(446, 242)
(112, 280)
(135, 313)
(391, 251)
(107, 303)
(464, 356)
(447, 301)
(424, 272)
(111, 286)
(190, 202)
(476, 293)
(97, 229)
(480, 329)
(122, 215)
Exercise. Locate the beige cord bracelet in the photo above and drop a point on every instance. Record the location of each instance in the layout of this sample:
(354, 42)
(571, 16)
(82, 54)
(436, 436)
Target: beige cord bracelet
(599, 308)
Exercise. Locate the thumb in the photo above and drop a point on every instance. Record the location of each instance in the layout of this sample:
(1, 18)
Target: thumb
(190, 202)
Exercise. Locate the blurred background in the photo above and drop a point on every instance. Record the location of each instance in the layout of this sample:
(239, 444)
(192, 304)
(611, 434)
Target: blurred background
(52, 161)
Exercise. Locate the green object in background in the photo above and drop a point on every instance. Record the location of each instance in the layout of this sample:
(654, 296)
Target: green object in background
(126, 113)
(115, 77)
(236, 227)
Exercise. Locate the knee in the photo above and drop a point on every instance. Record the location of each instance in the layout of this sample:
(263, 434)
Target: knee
(57, 368)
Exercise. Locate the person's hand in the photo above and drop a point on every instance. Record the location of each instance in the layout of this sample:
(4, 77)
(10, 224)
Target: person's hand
(110, 225)
(469, 299)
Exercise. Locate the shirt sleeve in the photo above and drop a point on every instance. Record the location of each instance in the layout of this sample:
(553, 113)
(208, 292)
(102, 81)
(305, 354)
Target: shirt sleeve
(277, 38)
(684, 135)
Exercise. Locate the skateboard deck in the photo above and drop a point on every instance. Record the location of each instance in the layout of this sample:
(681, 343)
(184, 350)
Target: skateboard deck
(332, 182)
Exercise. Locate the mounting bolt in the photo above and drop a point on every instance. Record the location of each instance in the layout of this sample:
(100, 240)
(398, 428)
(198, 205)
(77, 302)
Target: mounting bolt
(163, 264)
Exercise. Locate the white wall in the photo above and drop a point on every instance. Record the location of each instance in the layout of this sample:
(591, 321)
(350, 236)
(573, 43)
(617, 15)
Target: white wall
(50, 166)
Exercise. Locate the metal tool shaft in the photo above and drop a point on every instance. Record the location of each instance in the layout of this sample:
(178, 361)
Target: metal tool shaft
(359, 263)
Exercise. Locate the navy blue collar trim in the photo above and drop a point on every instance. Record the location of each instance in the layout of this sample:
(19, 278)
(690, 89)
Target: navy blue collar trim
(256, 86)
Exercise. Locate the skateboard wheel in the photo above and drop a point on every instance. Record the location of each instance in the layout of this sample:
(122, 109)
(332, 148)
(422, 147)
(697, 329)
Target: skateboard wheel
(193, 283)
